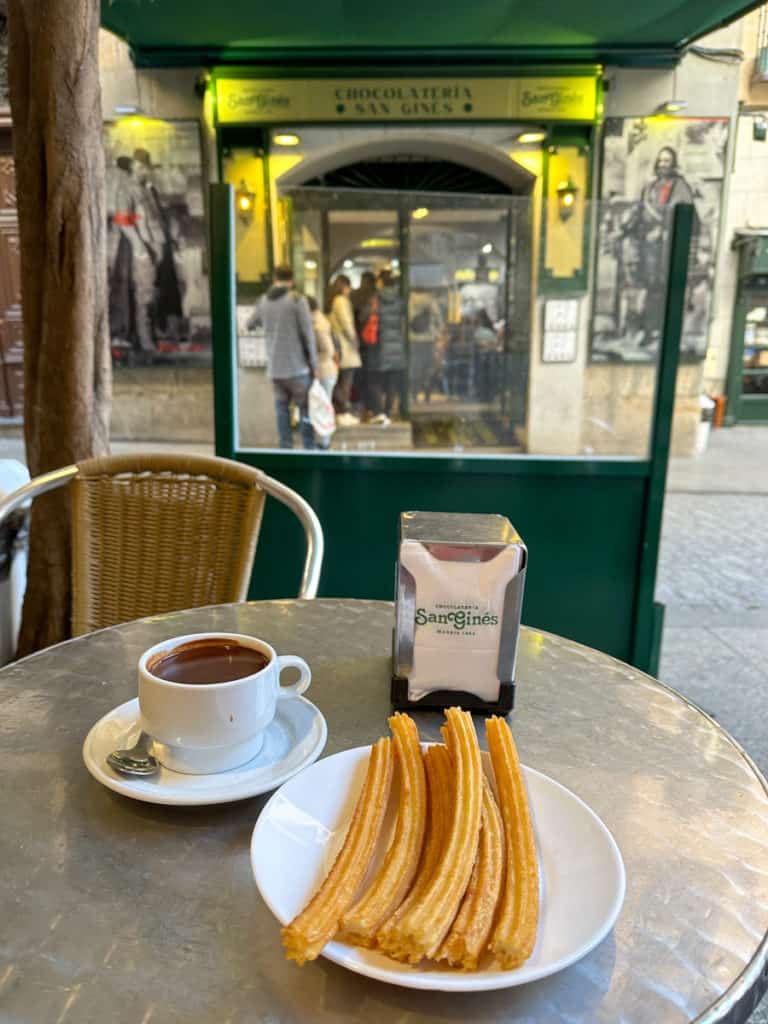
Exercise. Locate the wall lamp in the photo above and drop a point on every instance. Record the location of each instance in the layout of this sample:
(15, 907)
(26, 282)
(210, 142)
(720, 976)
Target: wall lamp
(566, 199)
(245, 201)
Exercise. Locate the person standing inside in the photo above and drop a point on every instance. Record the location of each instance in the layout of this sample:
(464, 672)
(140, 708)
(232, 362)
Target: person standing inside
(385, 358)
(365, 308)
(361, 298)
(424, 329)
(291, 353)
(341, 317)
(327, 368)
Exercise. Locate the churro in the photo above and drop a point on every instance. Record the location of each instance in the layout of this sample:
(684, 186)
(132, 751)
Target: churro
(420, 931)
(318, 922)
(514, 932)
(469, 932)
(439, 770)
(393, 880)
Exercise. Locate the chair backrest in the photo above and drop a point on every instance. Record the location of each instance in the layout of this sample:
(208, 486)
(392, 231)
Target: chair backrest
(157, 533)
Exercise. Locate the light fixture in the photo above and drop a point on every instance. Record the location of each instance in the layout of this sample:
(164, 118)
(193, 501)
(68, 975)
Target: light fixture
(394, 263)
(348, 264)
(487, 248)
(244, 201)
(286, 140)
(125, 109)
(566, 198)
(671, 107)
(310, 264)
(528, 138)
(420, 213)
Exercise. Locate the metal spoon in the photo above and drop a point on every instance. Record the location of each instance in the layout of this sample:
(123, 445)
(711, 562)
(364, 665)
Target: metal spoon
(137, 760)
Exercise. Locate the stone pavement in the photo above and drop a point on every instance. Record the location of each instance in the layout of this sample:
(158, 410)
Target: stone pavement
(713, 579)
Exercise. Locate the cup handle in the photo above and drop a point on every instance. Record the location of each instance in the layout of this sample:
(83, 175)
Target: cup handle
(301, 685)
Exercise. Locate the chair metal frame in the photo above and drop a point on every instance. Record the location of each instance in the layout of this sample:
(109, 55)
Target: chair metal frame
(303, 511)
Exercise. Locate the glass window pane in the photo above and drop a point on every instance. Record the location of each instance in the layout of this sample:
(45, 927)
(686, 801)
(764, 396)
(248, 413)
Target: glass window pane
(500, 325)
(458, 381)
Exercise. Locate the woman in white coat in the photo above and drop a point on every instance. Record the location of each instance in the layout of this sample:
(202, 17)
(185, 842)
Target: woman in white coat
(342, 321)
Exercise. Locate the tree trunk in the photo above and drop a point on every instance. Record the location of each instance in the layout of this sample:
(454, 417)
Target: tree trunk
(57, 128)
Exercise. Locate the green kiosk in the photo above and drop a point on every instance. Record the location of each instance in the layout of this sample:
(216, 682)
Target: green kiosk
(457, 149)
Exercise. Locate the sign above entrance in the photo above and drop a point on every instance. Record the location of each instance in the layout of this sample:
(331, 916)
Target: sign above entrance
(240, 100)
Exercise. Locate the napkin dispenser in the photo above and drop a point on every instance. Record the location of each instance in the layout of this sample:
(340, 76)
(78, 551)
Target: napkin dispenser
(459, 596)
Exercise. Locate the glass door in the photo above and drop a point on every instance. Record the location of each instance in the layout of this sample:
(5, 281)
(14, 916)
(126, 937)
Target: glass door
(444, 365)
(458, 325)
(754, 379)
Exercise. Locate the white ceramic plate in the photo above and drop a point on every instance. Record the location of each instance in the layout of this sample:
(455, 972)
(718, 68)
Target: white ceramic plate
(295, 738)
(302, 827)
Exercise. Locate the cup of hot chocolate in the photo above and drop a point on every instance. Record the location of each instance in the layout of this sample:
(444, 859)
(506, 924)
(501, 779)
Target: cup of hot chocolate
(206, 699)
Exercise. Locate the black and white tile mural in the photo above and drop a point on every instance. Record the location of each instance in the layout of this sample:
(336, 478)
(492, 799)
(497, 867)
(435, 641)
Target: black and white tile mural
(649, 166)
(158, 283)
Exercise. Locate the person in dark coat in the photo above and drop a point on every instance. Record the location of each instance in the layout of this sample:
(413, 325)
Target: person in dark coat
(385, 360)
(362, 307)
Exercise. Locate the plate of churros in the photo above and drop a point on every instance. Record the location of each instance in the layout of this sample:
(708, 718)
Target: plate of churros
(437, 866)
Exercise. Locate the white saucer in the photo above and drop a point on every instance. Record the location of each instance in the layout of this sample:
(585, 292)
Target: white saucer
(295, 738)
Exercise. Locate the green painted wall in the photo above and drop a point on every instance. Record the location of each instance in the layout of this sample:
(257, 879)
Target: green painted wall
(582, 523)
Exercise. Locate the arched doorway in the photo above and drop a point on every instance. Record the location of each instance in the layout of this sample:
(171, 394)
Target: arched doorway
(452, 221)
(436, 162)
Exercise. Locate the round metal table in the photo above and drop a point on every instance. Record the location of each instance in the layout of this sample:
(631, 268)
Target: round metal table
(122, 911)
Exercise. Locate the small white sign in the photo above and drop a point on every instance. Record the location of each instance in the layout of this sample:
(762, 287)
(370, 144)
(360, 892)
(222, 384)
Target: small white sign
(561, 322)
(559, 347)
(561, 315)
(252, 350)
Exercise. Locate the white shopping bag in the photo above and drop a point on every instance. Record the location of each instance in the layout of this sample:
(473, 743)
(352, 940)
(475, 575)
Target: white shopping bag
(321, 414)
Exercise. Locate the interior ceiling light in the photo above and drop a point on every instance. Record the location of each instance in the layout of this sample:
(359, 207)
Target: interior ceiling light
(420, 213)
(286, 140)
(127, 108)
(671, 107)
(528, 138)
(487, 248)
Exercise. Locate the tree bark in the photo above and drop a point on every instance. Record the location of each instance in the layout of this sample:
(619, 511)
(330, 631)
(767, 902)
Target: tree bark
(57, 127)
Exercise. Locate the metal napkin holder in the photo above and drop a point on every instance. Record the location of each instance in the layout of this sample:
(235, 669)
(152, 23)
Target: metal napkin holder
(474, 534)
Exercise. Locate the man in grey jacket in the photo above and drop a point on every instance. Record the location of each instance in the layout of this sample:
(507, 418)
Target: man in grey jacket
(291, 353)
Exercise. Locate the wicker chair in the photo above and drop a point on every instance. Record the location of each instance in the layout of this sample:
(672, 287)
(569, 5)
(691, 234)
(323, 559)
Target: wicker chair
(157, 533)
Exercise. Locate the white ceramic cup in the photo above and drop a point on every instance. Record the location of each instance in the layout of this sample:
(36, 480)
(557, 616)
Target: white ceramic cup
(212, 727)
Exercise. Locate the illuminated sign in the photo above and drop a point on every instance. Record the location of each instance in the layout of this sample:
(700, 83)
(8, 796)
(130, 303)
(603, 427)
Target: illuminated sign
(399, 99)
